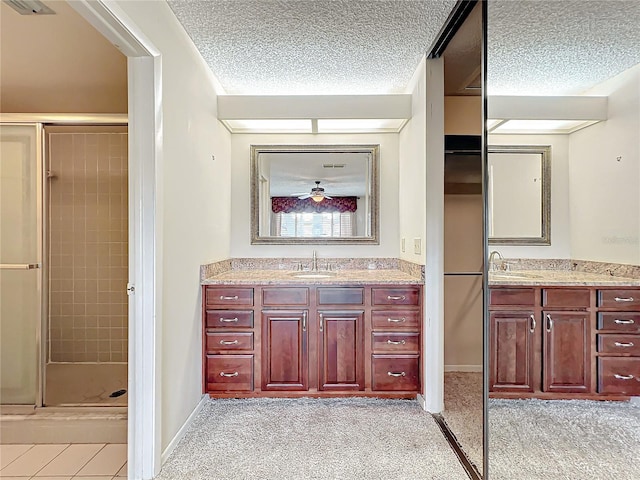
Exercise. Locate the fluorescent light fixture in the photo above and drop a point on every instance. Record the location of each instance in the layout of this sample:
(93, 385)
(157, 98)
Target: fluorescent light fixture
(361, 125)
(270, 126)
(540, 126)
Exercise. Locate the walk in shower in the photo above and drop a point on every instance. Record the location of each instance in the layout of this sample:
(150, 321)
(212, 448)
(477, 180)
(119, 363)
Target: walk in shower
(64, 265)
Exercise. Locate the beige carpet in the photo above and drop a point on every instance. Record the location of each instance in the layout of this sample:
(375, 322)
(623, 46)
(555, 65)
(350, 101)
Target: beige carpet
(463, 412)
(563, 440)
(289, 439)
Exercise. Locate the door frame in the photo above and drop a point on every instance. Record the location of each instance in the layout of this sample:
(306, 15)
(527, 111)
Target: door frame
(144, 66)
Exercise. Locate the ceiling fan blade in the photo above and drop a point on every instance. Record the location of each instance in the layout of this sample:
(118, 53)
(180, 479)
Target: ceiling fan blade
(306, 195)
(327, 196)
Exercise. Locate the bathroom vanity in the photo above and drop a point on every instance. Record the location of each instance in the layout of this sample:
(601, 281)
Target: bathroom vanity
(270, 333)
(559, 335)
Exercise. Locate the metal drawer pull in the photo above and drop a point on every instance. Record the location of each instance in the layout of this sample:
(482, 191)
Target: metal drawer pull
(396, 297)
(227, 342)
(549, 323)
(391, 342)
(234, 374)
(401, 374)
(396, 320)
(623, 377)
(623, 299)
(624, 322)
(533, 323)
(228, 320)
(223, 297)
(621, 344)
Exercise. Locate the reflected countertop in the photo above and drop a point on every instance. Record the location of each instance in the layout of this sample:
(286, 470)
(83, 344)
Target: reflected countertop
(558, 278)
(287, 277)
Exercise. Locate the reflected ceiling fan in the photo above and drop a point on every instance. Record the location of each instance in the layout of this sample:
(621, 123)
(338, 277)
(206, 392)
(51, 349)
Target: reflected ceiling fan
(317, 193)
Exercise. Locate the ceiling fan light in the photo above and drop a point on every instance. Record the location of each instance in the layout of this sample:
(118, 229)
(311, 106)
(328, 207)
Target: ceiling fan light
(317, 197)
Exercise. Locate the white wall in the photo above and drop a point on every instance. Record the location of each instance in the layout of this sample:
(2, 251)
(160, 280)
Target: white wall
(194, 195)
(604, 162)
(560, 219)
(241, 196)
(412, 171)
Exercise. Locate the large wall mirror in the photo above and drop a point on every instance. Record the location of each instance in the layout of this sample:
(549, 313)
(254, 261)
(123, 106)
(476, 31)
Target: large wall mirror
(314, 194)
(519, 195)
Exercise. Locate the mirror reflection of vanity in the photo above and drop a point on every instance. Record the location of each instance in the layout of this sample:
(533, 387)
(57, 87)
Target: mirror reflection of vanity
(314, 194)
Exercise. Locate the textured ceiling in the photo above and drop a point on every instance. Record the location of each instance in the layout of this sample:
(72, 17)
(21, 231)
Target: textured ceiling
(536, 47)
(311, 47)
(559, 47)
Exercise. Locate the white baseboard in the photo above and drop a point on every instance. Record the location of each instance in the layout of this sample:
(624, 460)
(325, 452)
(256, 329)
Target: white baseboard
(421, 401)
(463, 368)
(178, 436)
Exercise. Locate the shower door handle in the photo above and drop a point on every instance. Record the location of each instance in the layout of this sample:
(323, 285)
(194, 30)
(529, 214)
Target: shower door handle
(19, 266)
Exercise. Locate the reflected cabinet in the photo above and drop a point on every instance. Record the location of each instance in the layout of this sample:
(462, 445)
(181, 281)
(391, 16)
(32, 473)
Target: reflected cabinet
(564, 342)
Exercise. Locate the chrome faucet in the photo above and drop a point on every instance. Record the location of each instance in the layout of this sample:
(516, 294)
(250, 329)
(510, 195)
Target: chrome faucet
(492, 264)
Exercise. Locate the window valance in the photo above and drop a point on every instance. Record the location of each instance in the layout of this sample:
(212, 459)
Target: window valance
(307, 205)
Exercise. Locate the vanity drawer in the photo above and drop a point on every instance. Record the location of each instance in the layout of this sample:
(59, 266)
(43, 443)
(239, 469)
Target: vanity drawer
(395, 319)
(619, 321)
(622, 299)
(395, 296)
(228, 296)
(619, 375)
(395, 372)
(616, 343)
(566, 297)
(340, 296)
(229, 318)
(217, 341)
(512, 296)
(229, 373)
(285, 296)
(384, 342)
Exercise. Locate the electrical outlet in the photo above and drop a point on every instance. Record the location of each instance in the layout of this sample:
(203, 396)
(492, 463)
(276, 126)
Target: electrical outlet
(403, 245)
(417, 246)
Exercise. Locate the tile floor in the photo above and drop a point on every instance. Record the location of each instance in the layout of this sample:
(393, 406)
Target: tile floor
(77, 461)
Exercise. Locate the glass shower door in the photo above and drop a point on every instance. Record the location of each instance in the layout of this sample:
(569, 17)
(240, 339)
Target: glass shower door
(20, 263)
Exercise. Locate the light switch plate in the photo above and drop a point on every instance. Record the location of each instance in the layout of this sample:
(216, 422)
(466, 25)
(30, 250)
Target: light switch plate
(417, 246)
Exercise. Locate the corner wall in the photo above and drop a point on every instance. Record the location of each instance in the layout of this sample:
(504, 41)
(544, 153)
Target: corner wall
(241, 196)
(193, 197)
(604, 163)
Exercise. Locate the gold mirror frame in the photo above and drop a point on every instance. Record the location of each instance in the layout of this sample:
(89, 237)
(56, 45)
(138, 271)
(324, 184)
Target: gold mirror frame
(373, 150)
(545, 152)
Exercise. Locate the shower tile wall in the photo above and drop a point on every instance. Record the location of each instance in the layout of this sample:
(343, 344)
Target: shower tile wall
(88, 223)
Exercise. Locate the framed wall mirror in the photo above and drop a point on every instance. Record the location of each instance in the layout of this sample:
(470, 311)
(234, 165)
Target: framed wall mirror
(519, 195)
(314, 194)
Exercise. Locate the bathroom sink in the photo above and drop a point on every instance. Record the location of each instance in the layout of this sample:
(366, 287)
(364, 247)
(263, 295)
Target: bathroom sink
(313, 274)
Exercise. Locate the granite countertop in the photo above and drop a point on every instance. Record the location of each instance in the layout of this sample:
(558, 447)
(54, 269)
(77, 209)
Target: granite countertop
(282, 277)
(559, 278)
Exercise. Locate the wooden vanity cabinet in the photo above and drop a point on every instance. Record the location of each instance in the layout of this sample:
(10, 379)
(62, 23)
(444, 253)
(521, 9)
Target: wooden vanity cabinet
(618, 341)
(540, 340)
(312, 340)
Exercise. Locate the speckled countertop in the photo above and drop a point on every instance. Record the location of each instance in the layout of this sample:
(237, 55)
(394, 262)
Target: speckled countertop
(282, 277)
(559, 278)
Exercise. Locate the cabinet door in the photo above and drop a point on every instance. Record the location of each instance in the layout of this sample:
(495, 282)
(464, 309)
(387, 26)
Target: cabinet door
(284, 350)
(566, 352)
(513, 345)
(341, 352)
